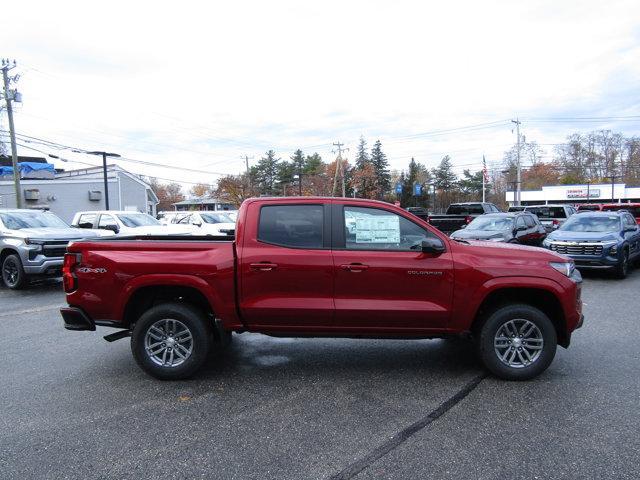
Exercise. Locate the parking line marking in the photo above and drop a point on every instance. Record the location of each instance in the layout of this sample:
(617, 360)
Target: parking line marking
(30, 310)
(406, 433)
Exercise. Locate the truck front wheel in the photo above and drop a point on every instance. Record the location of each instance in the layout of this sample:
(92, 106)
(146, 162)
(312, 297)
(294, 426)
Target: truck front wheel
(517, 342)
(171, 341)
(13, 275)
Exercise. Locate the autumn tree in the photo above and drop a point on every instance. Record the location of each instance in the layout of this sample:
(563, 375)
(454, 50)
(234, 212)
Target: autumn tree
(201, 190)
(167, 193)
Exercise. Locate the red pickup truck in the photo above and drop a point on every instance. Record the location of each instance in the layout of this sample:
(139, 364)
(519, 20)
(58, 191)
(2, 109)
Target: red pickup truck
(329, 267)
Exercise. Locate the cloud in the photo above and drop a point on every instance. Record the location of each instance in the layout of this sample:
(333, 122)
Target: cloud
(200, 84)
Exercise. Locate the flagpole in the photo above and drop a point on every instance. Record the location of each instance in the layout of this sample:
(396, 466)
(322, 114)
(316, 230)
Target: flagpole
(484, 176)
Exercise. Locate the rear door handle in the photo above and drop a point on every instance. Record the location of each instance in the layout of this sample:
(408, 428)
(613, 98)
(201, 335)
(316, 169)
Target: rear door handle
(354, 267)
(263, 266)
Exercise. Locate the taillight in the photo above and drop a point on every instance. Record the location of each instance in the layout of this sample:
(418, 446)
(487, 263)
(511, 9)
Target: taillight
(468, 219)
(69, 279)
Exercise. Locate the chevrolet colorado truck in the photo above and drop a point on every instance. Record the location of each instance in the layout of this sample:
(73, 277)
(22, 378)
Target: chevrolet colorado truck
(323, 267)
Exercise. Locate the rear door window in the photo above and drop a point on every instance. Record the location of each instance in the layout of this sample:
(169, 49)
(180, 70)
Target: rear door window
(295, 226)
(106, 220)
(529, 221)
(548, 212)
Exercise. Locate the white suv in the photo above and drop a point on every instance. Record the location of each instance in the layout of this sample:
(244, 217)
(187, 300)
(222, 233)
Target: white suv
(128, 223)
(208, 222)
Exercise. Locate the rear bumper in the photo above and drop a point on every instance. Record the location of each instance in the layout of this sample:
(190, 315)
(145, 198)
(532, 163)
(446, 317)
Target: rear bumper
(76, 319)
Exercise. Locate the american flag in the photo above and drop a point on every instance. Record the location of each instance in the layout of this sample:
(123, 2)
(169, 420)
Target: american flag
(485, 176)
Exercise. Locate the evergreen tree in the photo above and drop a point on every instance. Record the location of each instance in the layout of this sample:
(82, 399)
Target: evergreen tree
(471, 183)
(362, 157)
(381, 167)
(444, 177)
(313, 165)
(266, 173)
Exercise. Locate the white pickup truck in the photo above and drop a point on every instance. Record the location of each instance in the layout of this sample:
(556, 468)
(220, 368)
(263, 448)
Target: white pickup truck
(128, 223)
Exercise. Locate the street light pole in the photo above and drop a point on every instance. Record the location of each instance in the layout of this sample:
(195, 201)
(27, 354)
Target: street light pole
(104, 173)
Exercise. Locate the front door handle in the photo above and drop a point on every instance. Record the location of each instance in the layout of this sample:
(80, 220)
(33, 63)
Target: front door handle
(354, 267)
(263, 266)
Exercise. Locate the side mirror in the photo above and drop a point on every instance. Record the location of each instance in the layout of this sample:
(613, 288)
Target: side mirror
(197, 224)
(629, 228)
(114, 228)
(432, 245)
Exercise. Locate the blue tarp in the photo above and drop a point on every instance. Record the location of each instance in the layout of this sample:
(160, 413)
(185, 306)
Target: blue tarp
(27, 167)
(31, 170)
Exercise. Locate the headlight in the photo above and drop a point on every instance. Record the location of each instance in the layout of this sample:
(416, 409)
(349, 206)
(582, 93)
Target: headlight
(565, 268)
(546, 243)
(613, 250)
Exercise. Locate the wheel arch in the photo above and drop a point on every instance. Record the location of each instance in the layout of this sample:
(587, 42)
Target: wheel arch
(148, 296)
(538, 297)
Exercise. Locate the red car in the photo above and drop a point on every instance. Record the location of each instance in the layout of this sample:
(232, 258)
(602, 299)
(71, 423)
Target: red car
(326, 267)
(632, 208)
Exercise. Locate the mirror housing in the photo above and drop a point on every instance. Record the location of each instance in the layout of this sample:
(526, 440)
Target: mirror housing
(432, 245)
(114, 228)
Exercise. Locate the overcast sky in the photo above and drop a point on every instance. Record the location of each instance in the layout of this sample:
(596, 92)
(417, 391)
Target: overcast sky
(198, 84)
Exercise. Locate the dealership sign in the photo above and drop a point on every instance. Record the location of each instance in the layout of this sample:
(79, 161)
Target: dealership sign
(583, 193)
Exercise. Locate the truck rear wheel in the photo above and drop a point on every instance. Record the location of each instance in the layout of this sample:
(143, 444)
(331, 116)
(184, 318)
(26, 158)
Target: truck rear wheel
(517, 342)
(13, 275)
(171, 341)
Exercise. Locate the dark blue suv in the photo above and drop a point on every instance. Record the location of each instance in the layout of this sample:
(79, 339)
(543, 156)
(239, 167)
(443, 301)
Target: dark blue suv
(598, 240)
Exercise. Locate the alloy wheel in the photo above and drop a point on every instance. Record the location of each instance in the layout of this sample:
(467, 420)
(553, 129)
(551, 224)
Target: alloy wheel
(518, 343)
(168, 343)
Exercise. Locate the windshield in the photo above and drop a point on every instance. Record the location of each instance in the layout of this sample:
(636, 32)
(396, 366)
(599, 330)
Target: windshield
(216, 218)
(20, 220)
(582, 223)
(491, 224)
(137, 220)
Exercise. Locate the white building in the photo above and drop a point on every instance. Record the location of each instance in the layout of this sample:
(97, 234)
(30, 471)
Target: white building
(598, 193)
(77, 190)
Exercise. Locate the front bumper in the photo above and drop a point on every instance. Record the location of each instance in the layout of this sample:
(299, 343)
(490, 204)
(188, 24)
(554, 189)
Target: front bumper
(595, 262)
(50, 267)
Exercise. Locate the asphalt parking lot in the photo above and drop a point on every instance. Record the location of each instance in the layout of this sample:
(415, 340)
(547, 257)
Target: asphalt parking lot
(75, 406)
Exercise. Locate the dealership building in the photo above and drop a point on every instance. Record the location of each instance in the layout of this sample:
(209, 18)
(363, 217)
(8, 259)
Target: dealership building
(572, 194)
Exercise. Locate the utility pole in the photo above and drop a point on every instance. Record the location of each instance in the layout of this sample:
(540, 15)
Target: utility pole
(339, 167)
(246, 162)
(613, 177)
(104, 173)
(518, 165)
(9, 96)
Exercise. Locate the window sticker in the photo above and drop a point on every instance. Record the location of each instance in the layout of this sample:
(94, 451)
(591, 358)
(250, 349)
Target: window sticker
(378, 229)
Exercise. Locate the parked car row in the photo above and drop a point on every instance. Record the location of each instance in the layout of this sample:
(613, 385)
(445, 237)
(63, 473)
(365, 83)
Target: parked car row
(33, 242)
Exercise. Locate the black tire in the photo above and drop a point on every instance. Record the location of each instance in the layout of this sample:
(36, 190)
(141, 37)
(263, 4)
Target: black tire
(186, 316)
(545, 334)
(13, 275)
(622, 269)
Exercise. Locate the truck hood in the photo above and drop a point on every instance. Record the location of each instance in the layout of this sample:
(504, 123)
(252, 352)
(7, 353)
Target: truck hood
(564, 236)
(479, 234)
(517, 252)
(49, 233)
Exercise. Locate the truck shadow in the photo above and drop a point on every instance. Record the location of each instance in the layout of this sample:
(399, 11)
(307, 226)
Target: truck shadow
(260, 355)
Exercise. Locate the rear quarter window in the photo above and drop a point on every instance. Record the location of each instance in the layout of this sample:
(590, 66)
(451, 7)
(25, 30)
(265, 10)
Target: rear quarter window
(295, 226)
(474, 209)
